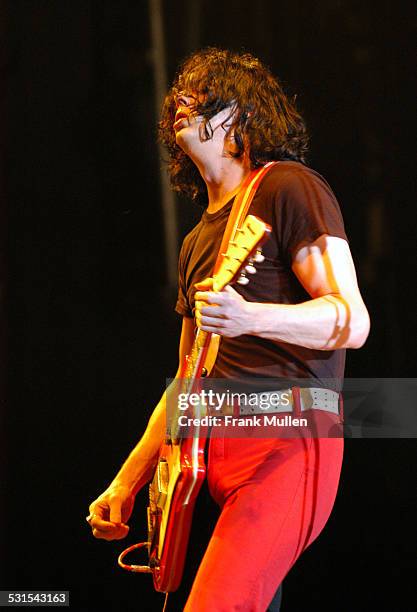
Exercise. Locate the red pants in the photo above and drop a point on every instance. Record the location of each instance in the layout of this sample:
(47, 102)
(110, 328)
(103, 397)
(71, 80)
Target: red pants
(275, 497)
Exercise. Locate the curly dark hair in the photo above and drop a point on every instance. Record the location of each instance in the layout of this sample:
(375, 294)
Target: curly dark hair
(263, 116)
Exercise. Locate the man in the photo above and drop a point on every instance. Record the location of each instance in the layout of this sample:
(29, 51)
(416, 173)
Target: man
(225, 115)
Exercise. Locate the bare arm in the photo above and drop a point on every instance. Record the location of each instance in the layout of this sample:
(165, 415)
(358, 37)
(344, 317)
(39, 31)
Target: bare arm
(110, 511)
(138, 467)
(334, 318)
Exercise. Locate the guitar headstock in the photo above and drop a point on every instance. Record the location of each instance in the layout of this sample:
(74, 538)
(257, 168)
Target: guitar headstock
(243, 251)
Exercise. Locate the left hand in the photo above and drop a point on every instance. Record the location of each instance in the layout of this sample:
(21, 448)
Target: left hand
(225, 313)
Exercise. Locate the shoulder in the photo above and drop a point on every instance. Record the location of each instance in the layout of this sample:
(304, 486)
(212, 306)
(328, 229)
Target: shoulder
(287, 177)
(291, 190)
(300, 206)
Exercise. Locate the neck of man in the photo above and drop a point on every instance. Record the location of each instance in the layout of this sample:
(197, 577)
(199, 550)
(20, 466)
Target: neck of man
(223, 177)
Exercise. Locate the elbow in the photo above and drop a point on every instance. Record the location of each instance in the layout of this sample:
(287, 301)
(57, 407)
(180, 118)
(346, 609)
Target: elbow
(361, 325)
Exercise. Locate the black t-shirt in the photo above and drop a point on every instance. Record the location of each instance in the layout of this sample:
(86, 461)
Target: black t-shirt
(300, 206)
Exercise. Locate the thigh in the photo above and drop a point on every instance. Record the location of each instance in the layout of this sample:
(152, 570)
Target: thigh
(276, 497)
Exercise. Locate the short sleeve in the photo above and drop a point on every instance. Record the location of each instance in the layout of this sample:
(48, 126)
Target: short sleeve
(305, 209)
(182, 306)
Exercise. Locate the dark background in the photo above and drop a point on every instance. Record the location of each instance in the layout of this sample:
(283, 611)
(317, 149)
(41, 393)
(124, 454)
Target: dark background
(94, 334)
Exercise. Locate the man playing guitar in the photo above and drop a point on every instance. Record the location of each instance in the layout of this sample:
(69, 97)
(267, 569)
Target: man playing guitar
(225, 115)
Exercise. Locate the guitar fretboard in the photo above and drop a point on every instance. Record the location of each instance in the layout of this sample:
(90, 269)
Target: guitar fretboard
(242, 252)
(192, 374)
(201, 341)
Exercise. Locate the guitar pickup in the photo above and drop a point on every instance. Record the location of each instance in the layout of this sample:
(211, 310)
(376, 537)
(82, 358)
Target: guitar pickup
(163, 480)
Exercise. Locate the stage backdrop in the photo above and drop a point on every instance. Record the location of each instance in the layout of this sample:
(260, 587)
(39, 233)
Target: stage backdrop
(93, 332)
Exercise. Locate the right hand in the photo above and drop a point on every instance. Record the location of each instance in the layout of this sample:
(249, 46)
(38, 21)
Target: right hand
(110, 512)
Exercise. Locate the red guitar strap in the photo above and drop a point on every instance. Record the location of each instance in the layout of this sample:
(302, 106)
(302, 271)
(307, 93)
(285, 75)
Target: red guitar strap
(240, 208)
(237, 215)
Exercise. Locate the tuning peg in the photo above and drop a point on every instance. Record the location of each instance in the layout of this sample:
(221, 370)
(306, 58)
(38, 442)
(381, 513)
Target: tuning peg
(258, 257)
(242, 280)
(250, 269)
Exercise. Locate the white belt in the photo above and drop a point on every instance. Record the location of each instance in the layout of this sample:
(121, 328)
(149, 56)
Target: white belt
(311, 398)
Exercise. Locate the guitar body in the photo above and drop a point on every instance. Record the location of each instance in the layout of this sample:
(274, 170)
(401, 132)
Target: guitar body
(177, 481)
(172, 494)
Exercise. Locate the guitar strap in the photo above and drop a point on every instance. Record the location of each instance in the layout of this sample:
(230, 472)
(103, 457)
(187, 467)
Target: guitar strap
(237, 215)
(240, 208)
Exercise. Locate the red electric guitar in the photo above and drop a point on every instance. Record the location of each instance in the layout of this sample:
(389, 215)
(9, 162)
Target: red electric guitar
(181, 468)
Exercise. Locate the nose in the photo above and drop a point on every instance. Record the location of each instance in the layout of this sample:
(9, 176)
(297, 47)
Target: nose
(183, 99)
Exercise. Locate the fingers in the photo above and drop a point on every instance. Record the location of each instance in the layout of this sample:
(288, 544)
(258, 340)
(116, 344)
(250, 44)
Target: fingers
(106, 517)
(98, 509)
(211, 318)
(208, 307)
(216, 311)
(210, 297)
(216, 325)
(207, 303)
(224, 313)
(211, 310)
(111, 532)
(204, 285)
(220, 297)
(214, 329)
(107, 530)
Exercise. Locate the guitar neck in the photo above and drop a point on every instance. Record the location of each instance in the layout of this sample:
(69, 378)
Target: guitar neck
(195, 360)
(189, 378)
(242, 252)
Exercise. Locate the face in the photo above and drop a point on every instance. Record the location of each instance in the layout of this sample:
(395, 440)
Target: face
(186, 121)
(187, 124)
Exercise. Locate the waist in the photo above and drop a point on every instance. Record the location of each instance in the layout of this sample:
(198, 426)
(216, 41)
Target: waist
(295, 400)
